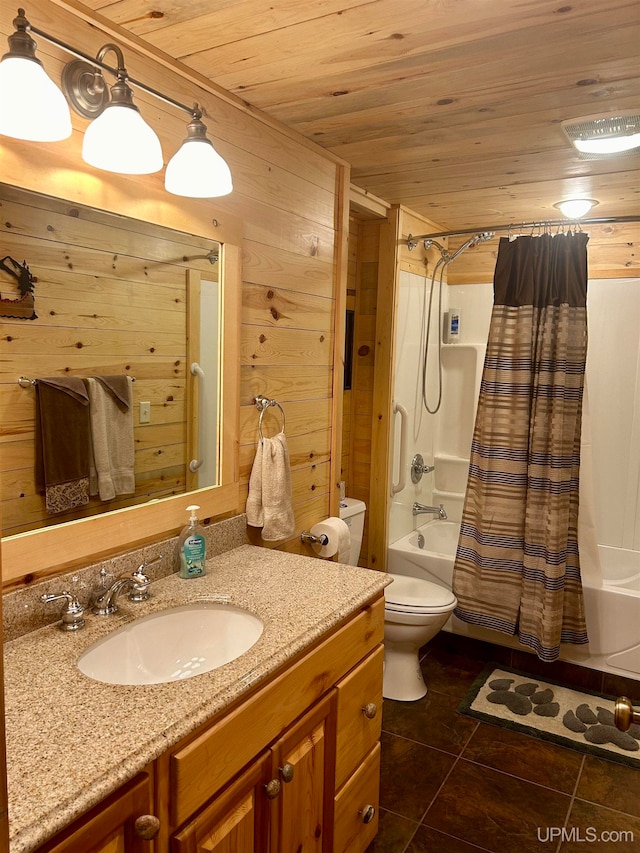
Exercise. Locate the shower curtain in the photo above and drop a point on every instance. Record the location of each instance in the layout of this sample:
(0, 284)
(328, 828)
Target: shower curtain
(517, 567)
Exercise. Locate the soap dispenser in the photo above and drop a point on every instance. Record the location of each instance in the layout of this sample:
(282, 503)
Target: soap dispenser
(192, 547)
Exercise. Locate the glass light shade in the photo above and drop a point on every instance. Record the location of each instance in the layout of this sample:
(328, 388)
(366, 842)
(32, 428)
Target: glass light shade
(120, 140)
(575, 208)
(196, 170)
(608, 144)
(31, 105)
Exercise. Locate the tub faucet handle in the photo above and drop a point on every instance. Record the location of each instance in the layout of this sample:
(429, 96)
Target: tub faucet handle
(418, 468)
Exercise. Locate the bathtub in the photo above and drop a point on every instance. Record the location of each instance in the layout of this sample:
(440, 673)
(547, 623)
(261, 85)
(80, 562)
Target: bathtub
(612, 609)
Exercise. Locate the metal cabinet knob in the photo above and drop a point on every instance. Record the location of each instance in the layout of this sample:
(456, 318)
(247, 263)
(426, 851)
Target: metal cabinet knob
(370, 710)
(286, 772)
(147, 826)
(624, 714)
(272, 788)
(367, 813)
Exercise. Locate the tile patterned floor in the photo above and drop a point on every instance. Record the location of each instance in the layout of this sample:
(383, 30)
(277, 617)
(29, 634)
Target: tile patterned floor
(451, 784)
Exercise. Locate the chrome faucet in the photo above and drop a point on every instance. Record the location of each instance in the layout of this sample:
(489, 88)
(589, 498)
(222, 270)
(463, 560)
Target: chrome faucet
(420, 509)
(106, 602)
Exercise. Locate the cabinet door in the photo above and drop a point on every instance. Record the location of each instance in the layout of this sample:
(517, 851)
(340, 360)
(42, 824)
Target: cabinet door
(299, 814)
(118, 825)
(235, 821)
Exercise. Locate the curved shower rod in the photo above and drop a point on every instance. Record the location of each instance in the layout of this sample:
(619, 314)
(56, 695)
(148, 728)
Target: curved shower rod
(412, 241)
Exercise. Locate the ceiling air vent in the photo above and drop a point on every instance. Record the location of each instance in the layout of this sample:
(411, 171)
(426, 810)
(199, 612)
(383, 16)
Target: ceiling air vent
(604, 136)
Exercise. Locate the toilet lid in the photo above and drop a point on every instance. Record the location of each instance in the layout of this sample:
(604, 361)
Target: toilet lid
(415, 595)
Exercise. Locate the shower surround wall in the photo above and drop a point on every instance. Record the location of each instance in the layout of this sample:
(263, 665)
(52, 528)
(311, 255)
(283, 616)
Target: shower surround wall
(443, 439)
(612, 593)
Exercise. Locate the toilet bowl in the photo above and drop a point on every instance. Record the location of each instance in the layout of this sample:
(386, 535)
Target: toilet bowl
(415, 610)
(352, 513)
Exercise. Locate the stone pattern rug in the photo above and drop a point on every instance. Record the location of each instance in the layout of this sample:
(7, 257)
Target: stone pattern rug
(572, 718)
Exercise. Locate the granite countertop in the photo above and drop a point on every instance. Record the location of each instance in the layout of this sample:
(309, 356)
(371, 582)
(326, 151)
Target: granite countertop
(71, 740)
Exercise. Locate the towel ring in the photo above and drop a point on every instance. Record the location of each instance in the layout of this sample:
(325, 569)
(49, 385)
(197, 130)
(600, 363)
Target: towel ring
(263, 403)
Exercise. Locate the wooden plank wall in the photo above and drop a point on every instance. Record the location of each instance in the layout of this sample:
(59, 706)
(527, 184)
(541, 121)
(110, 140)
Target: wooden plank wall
(109, 300)
(285, 197)
(613, 252)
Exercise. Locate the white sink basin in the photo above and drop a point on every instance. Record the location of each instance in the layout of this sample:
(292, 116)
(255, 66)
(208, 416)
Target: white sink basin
(172, 645)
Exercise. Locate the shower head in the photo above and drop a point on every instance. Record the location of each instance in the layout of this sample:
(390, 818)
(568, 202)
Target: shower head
(482, 237)
(447, 256)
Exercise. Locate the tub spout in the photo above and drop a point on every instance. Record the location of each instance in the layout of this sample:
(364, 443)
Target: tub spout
(420, 509)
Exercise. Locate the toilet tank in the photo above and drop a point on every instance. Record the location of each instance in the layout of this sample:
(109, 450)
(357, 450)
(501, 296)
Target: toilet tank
(352, 513)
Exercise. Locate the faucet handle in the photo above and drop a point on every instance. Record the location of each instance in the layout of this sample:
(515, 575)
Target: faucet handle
(141, 582)
(72, 616)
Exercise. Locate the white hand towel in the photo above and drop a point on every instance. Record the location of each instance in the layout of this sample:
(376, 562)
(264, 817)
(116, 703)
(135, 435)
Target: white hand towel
(255, 514)
(277, 505)
(112, 442)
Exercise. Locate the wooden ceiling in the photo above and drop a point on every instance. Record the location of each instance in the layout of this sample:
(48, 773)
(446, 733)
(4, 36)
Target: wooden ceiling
(452, 107)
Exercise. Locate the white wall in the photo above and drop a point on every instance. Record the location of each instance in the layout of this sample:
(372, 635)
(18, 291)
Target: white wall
(613, 376)
(613, 380)
(412, 292)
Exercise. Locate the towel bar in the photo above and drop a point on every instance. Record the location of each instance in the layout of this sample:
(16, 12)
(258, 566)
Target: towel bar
(25, 382)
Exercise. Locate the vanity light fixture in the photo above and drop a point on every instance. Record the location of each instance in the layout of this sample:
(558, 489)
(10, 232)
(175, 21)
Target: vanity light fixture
(604, 135)
(31, 105)
(196, 169)
(117, 138)
(575, 208)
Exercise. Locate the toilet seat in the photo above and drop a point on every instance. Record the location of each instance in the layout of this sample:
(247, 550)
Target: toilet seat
(415, 595)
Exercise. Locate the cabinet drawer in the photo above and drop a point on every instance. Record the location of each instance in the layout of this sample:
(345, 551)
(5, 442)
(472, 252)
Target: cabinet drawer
(359, 714)
(352, 834)
(208, 762)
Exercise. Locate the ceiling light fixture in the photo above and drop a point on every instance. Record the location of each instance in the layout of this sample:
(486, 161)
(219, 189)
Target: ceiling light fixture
(575, 208)
(604, 136)
(117, 139)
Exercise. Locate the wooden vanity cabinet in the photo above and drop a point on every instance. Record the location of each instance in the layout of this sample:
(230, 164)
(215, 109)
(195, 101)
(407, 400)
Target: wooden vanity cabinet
(320, 722)
(294, 768)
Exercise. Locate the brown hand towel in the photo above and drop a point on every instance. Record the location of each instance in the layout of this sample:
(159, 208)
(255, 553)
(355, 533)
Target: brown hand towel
(62, 441)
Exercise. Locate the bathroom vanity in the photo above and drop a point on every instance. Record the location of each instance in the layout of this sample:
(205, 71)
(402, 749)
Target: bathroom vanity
(277, 750)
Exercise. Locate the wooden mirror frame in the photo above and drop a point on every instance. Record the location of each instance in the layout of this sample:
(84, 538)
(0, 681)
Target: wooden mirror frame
(48, 550)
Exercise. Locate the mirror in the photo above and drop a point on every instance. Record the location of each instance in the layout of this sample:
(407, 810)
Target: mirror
(112, 295)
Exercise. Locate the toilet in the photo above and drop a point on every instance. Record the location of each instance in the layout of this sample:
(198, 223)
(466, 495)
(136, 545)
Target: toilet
(414, 611)
(352, 513)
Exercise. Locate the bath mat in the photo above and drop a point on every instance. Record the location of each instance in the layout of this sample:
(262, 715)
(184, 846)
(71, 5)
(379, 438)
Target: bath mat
(580, 720)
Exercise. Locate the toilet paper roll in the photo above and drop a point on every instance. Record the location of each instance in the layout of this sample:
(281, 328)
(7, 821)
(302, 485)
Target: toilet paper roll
(337, 532)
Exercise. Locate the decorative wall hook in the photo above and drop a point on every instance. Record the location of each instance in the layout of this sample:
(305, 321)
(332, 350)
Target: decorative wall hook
(22, 308)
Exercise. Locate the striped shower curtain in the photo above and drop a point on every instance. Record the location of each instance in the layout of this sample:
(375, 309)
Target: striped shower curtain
(517, 567)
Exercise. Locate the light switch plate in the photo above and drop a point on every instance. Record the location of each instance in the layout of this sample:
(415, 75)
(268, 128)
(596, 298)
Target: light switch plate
(145, 413)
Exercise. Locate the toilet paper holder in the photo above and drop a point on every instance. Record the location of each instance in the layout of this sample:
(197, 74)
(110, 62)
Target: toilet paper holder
(311, 539)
